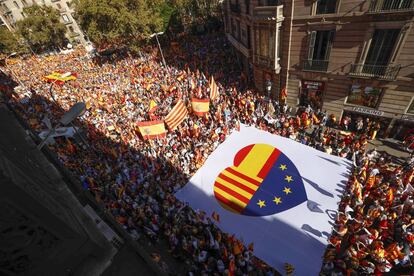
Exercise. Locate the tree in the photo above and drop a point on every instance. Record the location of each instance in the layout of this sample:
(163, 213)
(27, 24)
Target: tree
(119, 22)
(9, 43)
(42, 28)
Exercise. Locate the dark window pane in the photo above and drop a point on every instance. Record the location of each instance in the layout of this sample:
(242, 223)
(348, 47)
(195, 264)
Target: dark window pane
(325, 6)
(382, 45)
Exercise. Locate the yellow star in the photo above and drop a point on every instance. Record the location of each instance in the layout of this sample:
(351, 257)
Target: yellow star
(287, 190)
(261, 203)
(283, 167)
(277, 200)
(288, 178)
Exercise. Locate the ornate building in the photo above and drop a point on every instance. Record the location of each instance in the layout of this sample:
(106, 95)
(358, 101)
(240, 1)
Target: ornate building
(348, 57)
(12, 10)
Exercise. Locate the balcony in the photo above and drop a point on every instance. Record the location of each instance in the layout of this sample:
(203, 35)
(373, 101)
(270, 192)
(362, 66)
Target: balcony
(383, 6)
(268, 13)
(235, 8)
(382, 72)
(315, 65)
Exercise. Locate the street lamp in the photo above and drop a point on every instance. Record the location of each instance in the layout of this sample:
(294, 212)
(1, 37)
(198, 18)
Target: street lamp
(74, 112)
(77, 108)
(159, 46)
(268, 88)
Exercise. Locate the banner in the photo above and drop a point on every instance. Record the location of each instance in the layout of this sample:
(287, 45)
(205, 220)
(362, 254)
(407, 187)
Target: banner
(152, 129)
(200, 106)
(176, 115)
(271, 191)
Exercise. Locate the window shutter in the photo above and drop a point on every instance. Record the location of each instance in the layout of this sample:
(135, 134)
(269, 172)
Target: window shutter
(330, 42)
(312, 39)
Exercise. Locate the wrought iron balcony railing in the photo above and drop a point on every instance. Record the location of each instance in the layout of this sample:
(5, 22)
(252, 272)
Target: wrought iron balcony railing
(381, 6)
(383, 72)
(315, 65)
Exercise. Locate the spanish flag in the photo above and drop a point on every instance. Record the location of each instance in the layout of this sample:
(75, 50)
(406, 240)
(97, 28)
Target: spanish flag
(152, 129)
(152, 106)
(200, 106)
(59, 78)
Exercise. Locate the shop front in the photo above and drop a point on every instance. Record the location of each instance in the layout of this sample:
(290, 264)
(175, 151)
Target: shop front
(372, 116)
(312, 94)
(402, 127)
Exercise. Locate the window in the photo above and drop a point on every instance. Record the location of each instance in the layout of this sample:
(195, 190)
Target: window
(411, 107)
(6, 9)
(325, 6)
(364, 95)
(382, 46)
(65, 18)
(71, 29)
(320, 44)
(24, 3)
(69, 4)
(247, 5)
(396, 4)
(15, 3)
(269, 2)
(265, 44)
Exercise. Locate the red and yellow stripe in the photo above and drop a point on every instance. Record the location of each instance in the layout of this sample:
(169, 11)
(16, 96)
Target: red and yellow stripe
(176, 116)
(152, 129)
(200, 106)
(236, 185)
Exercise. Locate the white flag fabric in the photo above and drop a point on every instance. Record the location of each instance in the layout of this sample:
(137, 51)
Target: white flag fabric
(274, 192)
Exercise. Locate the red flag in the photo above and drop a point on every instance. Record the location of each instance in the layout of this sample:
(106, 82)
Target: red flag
(283, 93)
(232, 267)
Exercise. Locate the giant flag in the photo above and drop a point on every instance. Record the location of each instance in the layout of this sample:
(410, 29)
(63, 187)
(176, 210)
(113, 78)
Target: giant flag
(152, 129)
(271, 191)
(176, 115)
(200, 106)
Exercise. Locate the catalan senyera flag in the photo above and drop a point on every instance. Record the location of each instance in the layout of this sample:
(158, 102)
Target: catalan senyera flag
(213, 89)
(176, 115)
(200, 106)
(152, 129)
(60, 78)
(272, 192)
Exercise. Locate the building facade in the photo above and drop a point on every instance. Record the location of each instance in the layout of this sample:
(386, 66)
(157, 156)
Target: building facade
(348, 57)
(12, 10)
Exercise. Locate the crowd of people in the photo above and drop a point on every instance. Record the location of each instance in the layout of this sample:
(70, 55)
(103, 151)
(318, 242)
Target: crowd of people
(136, 179)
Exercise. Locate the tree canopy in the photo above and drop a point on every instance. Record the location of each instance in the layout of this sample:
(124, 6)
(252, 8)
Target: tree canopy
(9, 43)
(42, 28)
(122, 22)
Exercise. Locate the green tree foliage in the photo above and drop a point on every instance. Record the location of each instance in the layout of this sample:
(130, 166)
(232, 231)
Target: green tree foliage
(42, 28)
(9, 42)
(120, 22)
